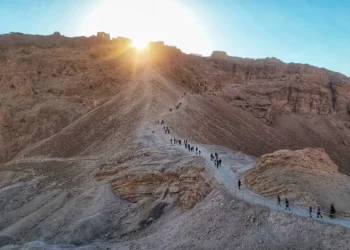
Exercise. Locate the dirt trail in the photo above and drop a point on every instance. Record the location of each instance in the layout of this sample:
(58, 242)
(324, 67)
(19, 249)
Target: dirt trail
(234, 164)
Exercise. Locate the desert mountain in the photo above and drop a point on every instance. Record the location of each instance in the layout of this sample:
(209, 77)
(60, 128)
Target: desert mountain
(85, 161)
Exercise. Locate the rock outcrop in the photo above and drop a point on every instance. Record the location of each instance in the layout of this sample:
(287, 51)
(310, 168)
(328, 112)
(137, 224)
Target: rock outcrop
(307, 175)
(188, 183)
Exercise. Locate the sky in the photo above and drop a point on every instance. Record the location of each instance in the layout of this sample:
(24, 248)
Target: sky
(316, 32)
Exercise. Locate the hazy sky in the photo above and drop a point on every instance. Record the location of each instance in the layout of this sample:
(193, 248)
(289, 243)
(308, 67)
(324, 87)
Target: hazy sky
(306, 31)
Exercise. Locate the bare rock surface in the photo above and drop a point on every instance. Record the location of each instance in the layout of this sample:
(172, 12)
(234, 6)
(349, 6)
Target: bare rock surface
(85, 163)
(308, 176)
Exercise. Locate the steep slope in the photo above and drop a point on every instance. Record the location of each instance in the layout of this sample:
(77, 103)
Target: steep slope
(101, 171)
(260, 106)
(45, 90)
(80, 184)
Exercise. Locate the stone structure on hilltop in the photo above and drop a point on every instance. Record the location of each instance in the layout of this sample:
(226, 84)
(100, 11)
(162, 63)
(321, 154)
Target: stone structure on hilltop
(103, 35)
(219, 54)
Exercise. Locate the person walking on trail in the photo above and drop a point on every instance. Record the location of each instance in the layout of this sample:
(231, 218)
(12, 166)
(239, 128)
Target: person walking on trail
(171, 141)
(192, 149)
(196, 149)
(318, 210)
(180, 142)
(279, 200)
(199, 152)
(219, 162)
(332, 211)
(239, 184)
(216, 155)
(287, 205)
(216, 163)
(310, 211)
(211, 157)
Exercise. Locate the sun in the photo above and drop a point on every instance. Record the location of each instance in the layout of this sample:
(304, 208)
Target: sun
(170, 21)
(139, 44)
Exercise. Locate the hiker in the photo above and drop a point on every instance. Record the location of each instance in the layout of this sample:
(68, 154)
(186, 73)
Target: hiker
(189, 147)
(287, 205)
(171, 141)
(180, 142)
(196, 149)
(199, 152)
(318, 209)
(279, 200)
(216, 155)
(216, 163)
(310, 212)
(219, 162)
(211, 157)
(239, 184)
(332, 212)
(192, 148)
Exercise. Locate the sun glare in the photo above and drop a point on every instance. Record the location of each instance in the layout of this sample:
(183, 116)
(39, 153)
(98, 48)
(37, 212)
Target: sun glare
(144, 21)
(139, 44)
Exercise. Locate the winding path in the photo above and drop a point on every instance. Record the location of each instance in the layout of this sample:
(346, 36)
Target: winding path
(234, 164)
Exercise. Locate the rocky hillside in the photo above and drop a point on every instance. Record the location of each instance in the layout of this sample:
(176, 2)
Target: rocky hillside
(308, 176)
(85, 162)
(260, 106)
(47, 82)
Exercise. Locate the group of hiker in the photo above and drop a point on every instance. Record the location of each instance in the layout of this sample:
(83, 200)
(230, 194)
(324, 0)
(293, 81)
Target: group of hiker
(215, 157)
(191, 148)
(286, 202)
(332, 211)
(175, 141)
(166, 130)
(318, 209)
